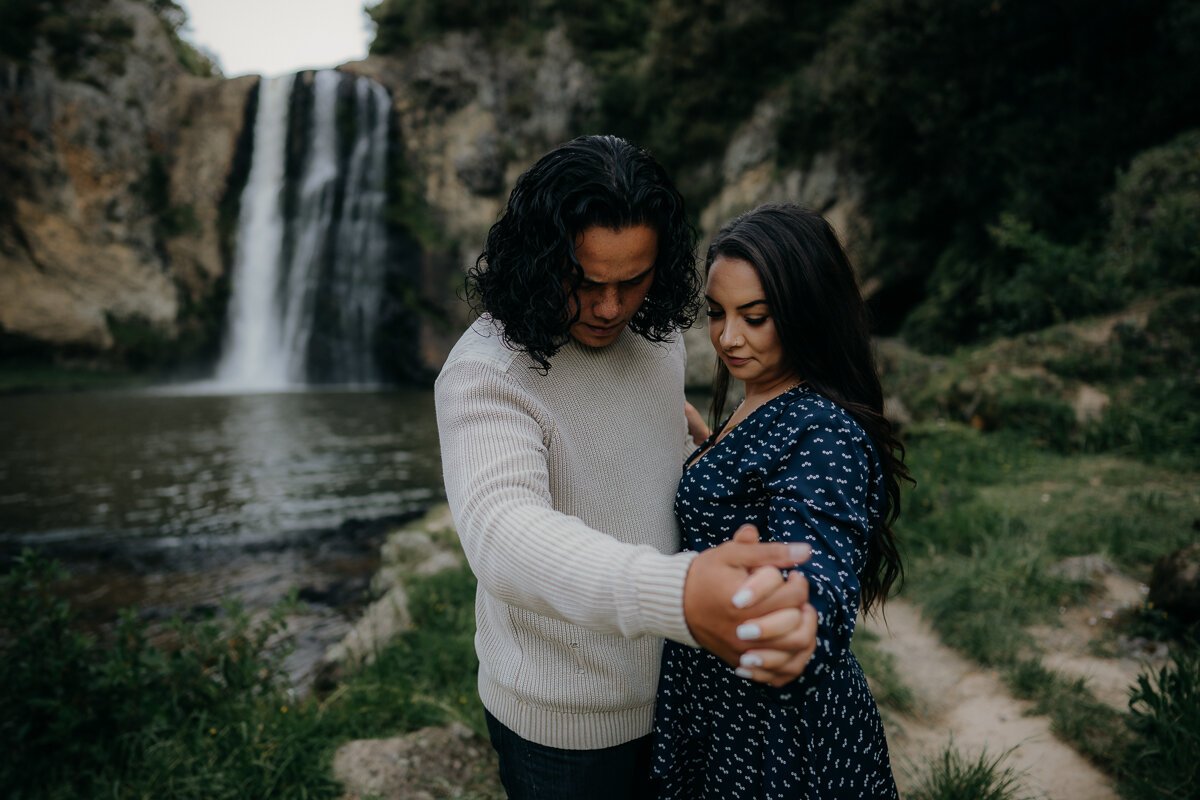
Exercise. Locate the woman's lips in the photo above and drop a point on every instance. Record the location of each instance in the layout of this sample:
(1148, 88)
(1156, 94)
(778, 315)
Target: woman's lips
(735, 362)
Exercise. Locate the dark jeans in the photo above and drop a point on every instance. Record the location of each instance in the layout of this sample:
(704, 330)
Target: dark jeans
(532, 771)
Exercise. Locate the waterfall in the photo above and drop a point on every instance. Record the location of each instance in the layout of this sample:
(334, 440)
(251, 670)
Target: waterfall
(311, 257)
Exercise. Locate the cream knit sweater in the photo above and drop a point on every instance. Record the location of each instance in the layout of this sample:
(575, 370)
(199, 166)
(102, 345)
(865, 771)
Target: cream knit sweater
(562, 488)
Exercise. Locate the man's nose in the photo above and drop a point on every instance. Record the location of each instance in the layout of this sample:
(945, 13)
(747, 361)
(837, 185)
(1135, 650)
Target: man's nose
(608, 303)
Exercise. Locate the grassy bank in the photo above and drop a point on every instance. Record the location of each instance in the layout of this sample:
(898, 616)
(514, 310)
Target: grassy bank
(208, 712)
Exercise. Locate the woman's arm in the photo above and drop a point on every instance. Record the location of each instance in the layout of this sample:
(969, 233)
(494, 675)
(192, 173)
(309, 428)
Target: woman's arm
(820, 489)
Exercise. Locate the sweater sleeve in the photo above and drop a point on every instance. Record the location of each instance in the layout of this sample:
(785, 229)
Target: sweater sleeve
(494, 440)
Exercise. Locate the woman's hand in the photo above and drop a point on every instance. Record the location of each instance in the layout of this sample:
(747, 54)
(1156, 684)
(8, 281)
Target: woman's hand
(697, 428)
(784, 639)
(784, 632)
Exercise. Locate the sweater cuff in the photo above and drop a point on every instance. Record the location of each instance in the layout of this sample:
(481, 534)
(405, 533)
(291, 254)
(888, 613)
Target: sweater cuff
(658, 583)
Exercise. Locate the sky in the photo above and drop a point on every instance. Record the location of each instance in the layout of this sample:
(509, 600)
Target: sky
(274, 37)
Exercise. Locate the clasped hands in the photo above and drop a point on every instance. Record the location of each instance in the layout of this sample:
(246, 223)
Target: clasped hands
(738, 606)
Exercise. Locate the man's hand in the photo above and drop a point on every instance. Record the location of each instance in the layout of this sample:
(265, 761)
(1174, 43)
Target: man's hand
(737, 606)
(697, 428)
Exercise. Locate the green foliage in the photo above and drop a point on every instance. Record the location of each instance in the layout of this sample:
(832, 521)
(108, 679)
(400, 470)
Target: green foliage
(960, 113)
(77, 39)
(1165, 720)
(1156, 412)
(74, 37)
(205, 709)
(952, 776)
(1154, 237)
(206, 716)
(707, 65)
(174, 18)
(1047, 283)
(887, 685)
(427, 676)
(140, 343)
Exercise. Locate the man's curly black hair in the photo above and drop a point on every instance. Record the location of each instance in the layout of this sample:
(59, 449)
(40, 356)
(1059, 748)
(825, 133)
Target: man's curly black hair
(527, 274)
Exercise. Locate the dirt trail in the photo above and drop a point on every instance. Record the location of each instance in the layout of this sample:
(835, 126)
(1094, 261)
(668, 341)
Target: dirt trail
(963, 703)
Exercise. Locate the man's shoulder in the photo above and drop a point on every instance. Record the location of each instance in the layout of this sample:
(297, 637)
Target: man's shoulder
(481, 344)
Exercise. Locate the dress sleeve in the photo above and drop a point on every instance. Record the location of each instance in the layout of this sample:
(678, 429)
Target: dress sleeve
(820, 491)
(494, 440)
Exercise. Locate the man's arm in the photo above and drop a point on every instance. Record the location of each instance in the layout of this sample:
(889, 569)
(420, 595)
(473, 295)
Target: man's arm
(531, 556)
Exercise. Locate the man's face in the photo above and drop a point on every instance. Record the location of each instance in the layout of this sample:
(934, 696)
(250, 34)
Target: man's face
(618, 270)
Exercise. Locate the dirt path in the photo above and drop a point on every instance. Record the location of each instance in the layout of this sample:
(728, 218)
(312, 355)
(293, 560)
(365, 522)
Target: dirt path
(960, 702)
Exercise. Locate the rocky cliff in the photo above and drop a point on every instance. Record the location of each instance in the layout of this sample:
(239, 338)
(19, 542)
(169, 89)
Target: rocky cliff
(114, 164)
(122, 176)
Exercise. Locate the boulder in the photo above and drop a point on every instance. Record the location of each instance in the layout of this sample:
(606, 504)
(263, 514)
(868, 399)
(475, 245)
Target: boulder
(1175, 584)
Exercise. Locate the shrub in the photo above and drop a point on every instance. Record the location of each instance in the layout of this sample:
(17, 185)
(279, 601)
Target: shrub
(1154, 237)
(207, 716)
(1045, 282)
(1165, 720)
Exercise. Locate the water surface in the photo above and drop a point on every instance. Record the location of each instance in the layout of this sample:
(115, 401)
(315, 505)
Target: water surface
(167, 471)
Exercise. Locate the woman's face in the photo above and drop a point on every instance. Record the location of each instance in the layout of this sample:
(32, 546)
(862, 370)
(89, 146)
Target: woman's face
(741, 328)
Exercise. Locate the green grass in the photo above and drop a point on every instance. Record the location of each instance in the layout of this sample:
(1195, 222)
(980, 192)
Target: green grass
(1161, 759)
(991, 517)
(210, 714)
(887, 684)
(1095, 729)
(953, 776)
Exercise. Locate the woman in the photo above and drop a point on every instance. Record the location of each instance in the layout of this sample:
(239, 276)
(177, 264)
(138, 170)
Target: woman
(807, 456)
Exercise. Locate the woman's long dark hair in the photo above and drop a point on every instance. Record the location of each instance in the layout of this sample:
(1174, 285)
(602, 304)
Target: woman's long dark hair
(527, 274)
(824, 328)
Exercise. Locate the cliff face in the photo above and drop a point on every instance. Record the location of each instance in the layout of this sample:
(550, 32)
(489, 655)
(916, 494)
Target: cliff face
(111, 173)
(121, 182)
(469, 119)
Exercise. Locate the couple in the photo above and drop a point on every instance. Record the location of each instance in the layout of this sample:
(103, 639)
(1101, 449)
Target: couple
(563, 430)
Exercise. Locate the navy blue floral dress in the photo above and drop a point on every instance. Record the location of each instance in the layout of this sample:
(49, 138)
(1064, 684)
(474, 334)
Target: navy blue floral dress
(801, 469)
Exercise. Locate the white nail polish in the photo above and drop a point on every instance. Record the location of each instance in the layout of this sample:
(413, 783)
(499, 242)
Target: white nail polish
(742, 598)
(748, 630)
(751, 660)
(800, 551)
(743, 672)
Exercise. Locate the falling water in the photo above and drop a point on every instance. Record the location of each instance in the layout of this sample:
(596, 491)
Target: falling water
(252, 352)
(308, 279)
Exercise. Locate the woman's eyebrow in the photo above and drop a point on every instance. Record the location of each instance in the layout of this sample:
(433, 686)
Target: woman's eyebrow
(762, 302)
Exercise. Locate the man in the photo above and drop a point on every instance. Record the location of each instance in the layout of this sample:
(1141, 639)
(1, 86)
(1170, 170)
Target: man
(560, 413)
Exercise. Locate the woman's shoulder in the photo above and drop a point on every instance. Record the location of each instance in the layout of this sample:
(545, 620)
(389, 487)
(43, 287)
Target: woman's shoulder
(808, 413)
